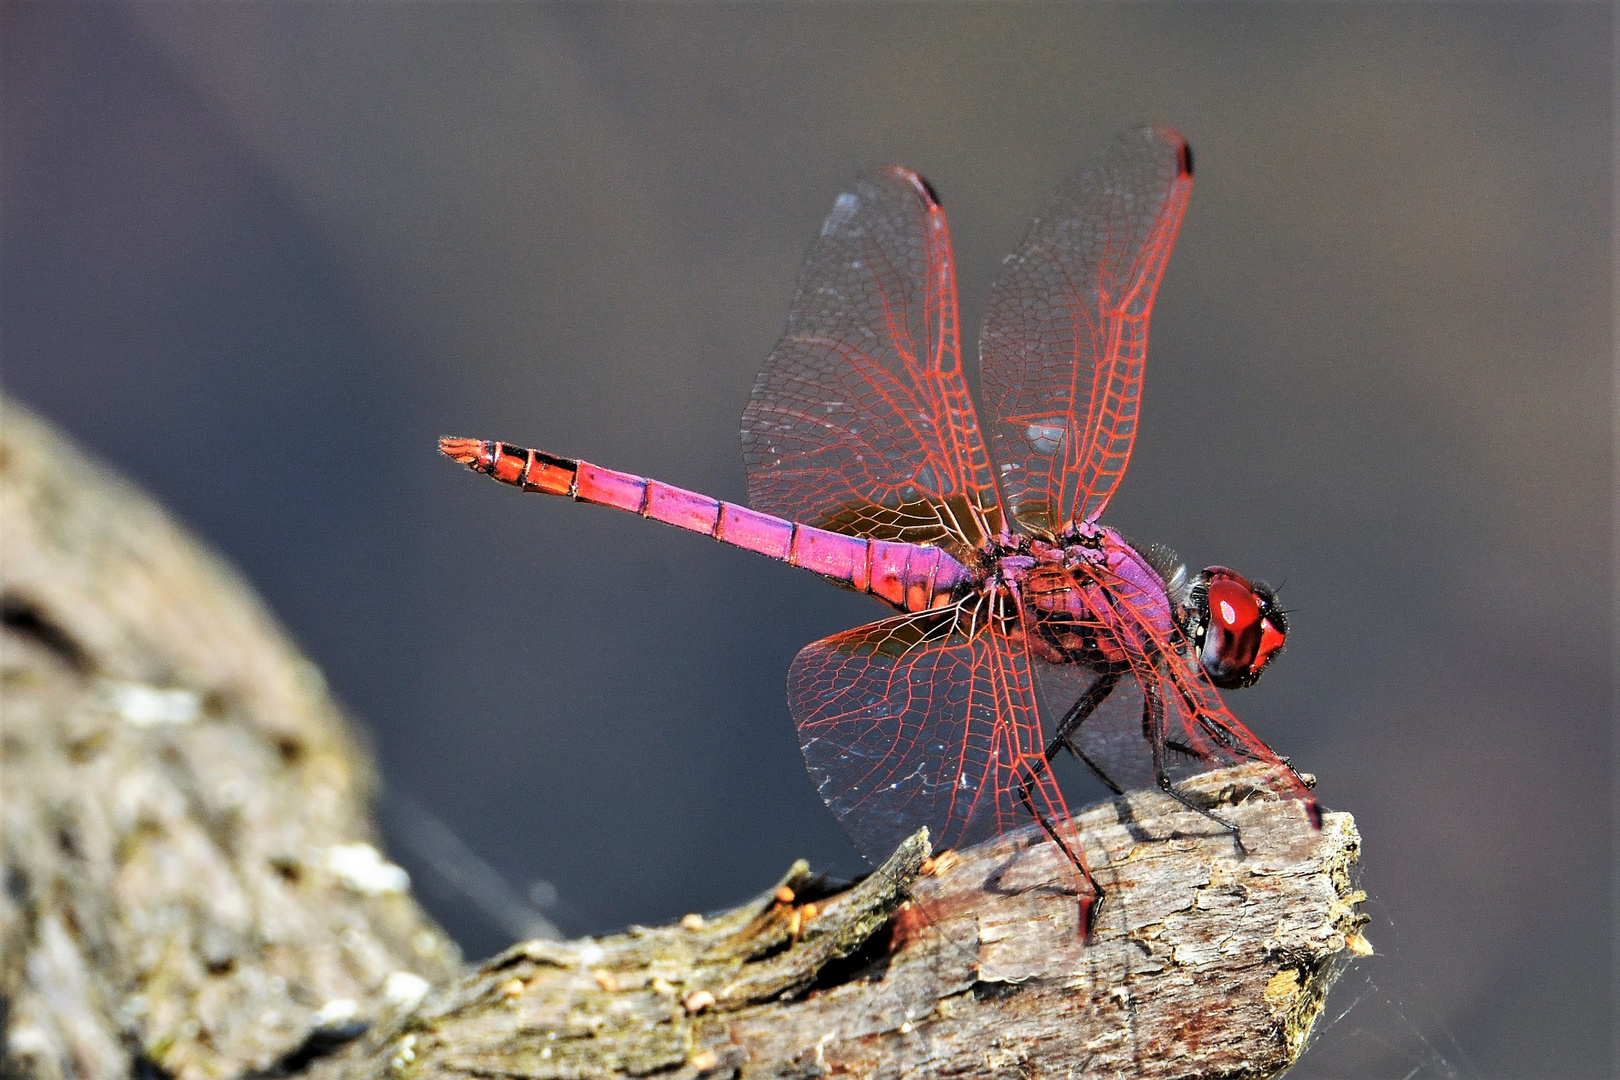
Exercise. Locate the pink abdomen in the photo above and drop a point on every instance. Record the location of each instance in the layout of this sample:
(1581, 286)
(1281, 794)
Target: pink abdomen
(912, 577)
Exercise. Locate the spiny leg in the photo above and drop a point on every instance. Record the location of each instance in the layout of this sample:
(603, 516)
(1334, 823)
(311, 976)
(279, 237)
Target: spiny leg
(1088, 904)
(1153, 724)
(1087, 704)
(1313, 810)
(1153, 731)
(1096, 770)
(1078, 714)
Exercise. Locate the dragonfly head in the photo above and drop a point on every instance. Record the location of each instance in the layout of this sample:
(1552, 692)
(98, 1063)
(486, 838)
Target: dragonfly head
(1236, 626)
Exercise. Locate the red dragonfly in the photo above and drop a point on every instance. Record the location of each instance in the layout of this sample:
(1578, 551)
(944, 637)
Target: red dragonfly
(866, 464)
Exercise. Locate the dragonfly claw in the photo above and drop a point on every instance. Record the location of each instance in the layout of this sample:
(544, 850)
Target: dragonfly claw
(1088, 916)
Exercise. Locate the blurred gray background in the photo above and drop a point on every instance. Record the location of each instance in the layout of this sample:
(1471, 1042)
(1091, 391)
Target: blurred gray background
(261, 256)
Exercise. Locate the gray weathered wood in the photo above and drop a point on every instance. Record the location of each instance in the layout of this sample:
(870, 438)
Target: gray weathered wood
(186, 849)
(1204, 964)
(184, 807)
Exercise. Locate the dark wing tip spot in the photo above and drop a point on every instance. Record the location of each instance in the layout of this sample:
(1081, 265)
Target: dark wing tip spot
(926, 186)
(1186, 159)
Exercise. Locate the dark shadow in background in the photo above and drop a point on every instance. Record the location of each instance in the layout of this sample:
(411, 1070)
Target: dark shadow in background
(262, 256)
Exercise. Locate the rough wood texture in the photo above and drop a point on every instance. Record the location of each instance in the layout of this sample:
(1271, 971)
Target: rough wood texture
(1204, 965)
(183, 805)
(193, 888)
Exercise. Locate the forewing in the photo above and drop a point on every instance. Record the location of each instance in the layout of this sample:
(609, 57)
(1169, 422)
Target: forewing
(919, 720)
(861, 421)
(1064, 336)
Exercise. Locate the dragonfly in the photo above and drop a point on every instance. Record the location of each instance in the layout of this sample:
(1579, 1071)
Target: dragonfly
(867, 465)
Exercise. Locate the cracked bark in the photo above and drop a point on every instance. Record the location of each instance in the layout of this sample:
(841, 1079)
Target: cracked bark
(193, 885)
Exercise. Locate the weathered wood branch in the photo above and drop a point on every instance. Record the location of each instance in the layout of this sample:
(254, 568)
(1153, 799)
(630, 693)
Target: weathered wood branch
(191, 871)
(193, 886)
(1204, 964)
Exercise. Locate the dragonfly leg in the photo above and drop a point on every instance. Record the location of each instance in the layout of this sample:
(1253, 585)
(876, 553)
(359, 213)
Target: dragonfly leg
(1096, 770)
(1313, 810)
(1153, 727)
(1181, 748)
(1078, 713)
(1088, 904)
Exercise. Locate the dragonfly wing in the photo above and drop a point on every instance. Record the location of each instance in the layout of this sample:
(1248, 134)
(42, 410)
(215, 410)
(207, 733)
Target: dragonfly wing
(1064, 336)
(861, 421)
(925, 719)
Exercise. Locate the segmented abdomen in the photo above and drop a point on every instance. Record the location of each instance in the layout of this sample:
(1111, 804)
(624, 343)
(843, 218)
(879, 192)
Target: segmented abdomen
(912, 577)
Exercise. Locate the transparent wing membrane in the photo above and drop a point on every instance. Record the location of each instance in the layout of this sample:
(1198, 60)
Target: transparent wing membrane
(861, 421)
(923, 720)
(1064, 336)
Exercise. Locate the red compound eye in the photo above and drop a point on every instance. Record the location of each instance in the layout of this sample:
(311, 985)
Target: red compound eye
(1232, 606)
(1241, 629)
(1271, 640)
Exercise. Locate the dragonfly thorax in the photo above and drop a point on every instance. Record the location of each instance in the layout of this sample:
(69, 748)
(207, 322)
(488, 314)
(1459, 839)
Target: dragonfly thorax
(1060, 618)
(1088, 597)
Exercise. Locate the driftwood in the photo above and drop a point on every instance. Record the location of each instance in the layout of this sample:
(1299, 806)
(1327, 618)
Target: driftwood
(194, 887)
